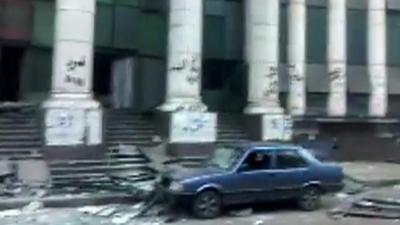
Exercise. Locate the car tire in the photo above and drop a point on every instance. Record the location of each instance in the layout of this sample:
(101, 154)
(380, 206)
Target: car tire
(310, 199)
(207, 204)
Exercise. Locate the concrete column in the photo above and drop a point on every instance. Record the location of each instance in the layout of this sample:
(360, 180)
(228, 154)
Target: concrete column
(262, 56)
(189, 121)
(184, 67)
(378, 101)
(337, 58)
(297, 20)
(72, 116)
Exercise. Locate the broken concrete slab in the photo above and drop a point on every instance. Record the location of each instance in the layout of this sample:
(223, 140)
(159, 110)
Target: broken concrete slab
(6, 168)
(33, 172)
(373, 174)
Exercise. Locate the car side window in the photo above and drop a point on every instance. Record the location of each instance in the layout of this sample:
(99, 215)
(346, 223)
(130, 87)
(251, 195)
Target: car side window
(289, 159)
(257, 161)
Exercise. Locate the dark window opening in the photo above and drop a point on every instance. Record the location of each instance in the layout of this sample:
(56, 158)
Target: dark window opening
(289, 159)
(10, 68)
(102, 77)
(224, 85)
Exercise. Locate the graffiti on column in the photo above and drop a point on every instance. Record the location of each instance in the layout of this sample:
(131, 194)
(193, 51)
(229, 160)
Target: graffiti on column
(191, 66)
(194, 75)
(272, 87)
(196, 125)
(72, 66)
(336, 77)
(294, 76)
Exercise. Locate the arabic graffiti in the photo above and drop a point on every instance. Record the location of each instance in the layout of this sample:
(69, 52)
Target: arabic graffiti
(195, 125)
(73, 64)
(294, 76)
(272, 87)
(336, 76)
(192, 68)
(71, 76)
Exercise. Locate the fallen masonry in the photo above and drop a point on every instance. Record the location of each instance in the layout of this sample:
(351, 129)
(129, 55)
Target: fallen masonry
(383, 203)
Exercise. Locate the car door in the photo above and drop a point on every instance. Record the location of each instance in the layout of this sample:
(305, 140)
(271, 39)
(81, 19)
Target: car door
(251, 181)
(291, 172)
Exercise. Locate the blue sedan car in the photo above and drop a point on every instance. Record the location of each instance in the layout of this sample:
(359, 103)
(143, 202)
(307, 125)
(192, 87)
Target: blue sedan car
(253, 173)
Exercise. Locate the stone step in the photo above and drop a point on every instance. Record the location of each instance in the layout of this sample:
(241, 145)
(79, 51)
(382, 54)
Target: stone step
(129, 127)
(19, 126)
(88, 163)
(94, 169)
(128, 138)
(21, 132)
(137, 143)
(13, 137)
(133, 143)
(231, 131)
(20, 151)
(9, 122)
(20, 144)
(130, 132)
(128, 120)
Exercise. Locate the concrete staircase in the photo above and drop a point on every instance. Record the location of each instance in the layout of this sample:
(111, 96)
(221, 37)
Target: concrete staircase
(20, 134)
(121, 165)
(127, 127)
(231, 129)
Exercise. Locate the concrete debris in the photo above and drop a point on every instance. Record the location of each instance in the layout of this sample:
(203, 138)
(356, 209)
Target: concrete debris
(383, 204)
(107, 212)
(6, 169)
(258, 222)
(10, 213)
(342, 196)
(33, 207)
(241, 213)
(123, 218)
(91, 210)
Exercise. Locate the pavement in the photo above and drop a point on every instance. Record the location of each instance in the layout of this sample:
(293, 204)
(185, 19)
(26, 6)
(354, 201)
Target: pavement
(271, 214)
(384, 178)
(372, 173)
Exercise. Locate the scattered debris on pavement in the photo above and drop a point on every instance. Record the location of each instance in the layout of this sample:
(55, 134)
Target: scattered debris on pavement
(383, 203)
(241, 212)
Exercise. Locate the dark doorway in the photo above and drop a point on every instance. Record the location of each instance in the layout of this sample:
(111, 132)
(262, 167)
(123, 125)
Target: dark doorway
(102, 77)
(224, 85)
(10, 68)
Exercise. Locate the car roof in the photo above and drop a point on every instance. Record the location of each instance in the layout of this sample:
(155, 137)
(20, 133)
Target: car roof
(251, 145)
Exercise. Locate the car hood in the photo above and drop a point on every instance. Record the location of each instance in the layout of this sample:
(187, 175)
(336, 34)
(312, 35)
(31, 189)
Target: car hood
(183, 173)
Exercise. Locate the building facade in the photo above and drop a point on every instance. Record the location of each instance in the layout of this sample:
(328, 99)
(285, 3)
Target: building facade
(330, 59)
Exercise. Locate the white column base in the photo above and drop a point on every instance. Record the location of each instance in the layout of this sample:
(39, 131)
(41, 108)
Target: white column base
(263, 108)
(378, 104)
(277, 127)
(72, 120)
(183, 104)
(193, 127)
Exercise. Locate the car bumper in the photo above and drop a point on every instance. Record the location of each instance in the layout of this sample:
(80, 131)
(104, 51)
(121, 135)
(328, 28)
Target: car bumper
(176, 198)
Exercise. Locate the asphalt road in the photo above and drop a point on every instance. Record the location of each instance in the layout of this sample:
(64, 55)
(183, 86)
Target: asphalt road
(271, 214)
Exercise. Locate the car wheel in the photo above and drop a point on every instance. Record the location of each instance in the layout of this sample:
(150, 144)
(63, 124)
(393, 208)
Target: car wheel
(207, 205)
(310, 199)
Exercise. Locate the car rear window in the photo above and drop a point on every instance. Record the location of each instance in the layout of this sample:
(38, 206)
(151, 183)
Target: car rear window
(289, 159)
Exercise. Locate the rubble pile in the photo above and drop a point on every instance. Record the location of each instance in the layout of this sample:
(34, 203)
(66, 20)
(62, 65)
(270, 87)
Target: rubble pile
(382, 203)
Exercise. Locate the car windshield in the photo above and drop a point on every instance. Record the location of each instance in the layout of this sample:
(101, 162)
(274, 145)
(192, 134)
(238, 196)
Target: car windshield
(224, 157)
